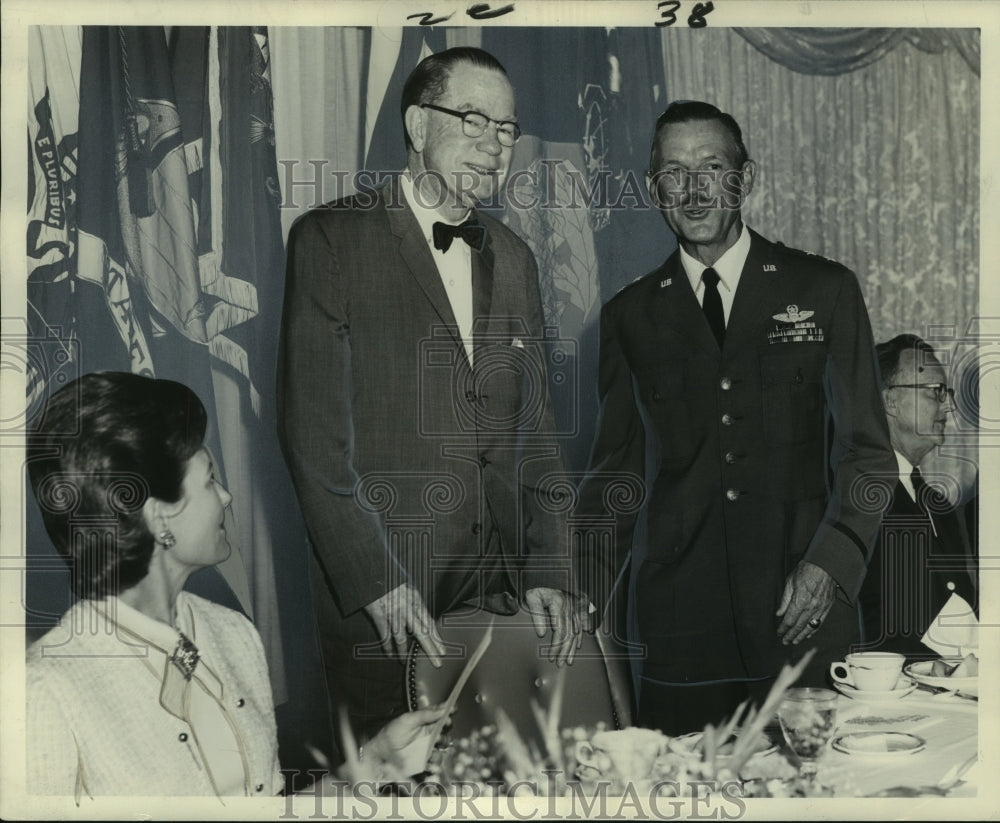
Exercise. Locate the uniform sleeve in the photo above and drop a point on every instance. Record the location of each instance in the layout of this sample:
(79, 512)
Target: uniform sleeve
(864, 468)
(613, 484)
(53, 757)
(315, 421)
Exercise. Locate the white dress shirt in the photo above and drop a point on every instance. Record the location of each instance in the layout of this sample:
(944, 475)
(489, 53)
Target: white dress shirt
(454, 265)
(729, 267)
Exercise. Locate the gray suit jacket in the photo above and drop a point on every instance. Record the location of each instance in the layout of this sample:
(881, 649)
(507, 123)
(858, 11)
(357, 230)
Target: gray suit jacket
(405, 458)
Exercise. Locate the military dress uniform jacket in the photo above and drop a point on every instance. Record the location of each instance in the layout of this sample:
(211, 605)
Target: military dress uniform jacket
(735, 453)
(407, 461)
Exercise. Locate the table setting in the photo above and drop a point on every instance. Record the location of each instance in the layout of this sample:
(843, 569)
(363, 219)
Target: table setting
(914, 739)
(888, 727)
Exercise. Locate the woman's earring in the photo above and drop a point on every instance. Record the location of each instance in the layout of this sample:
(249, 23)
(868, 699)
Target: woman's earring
(166, 539)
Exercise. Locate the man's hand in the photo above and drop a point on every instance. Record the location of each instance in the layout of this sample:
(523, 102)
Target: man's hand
(399, 613)
(808, 596)
(566, 614)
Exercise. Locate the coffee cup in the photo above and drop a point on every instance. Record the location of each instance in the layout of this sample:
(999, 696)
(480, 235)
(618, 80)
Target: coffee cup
(627, 753)
(869, 671)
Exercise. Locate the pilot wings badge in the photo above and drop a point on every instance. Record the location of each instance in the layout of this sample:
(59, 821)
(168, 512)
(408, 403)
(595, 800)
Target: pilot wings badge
(791, 314)
(794, 326)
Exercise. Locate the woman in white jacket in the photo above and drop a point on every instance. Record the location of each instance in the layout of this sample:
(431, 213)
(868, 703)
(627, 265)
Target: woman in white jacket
(144, 688)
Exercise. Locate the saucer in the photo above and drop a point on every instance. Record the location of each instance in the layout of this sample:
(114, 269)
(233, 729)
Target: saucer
(903, 688)
(921, 673)
(880, 744)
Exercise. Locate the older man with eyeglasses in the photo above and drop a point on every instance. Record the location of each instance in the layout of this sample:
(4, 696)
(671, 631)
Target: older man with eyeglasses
(414, 409)
(924, 552)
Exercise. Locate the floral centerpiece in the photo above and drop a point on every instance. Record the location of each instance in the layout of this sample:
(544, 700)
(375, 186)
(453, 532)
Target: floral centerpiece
(496, 760)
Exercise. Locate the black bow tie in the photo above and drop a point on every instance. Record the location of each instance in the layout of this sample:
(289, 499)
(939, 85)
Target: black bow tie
(471, 231)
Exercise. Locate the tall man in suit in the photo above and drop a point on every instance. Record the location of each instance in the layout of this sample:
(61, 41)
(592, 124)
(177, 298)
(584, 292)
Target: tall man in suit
(414, 409)
(924, 553)
(720, 375)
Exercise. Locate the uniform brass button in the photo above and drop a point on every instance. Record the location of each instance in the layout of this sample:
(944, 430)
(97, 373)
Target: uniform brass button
(476, 528)
(484, 461)
(240, 703)
(182, 737)
(656, 396)
(727, 420)
(732, 495)
(478, 698)
(730, 458)
(725, 384)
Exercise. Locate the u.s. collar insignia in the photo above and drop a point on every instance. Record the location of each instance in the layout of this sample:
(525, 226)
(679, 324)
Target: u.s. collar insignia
(665, 283)
(791, 314)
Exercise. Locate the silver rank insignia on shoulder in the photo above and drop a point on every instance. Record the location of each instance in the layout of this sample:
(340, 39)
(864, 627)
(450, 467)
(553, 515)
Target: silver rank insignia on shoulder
(665, 283)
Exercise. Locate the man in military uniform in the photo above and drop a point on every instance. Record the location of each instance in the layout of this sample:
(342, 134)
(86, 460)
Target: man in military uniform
(721, 374)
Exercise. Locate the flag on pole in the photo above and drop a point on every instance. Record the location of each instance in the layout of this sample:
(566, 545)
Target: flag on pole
(392, 54)
(52, 356)
(578, 92)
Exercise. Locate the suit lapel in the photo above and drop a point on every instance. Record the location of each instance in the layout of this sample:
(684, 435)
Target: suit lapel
(482, 284)
(416, 256)
(674, 307)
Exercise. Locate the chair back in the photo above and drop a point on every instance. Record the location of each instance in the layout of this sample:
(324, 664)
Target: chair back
(514, 670)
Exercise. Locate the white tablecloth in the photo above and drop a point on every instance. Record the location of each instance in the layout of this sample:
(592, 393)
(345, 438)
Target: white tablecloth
(949, 724)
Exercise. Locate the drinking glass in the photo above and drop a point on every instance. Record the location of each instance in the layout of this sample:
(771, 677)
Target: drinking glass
(808, 718)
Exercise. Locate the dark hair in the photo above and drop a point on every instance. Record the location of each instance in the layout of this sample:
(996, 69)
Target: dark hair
(889, 353)
(428, 81)
(97, 450)
(686, 111)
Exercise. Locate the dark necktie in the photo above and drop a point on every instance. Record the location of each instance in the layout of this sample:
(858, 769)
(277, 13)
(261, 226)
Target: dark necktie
(712, 304)
(928, 499)
(471, 231)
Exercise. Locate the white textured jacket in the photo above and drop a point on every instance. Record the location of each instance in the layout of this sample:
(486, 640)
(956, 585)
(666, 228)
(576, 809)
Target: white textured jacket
(109, 714)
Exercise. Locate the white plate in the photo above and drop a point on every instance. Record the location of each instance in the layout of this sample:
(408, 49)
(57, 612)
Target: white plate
(921, 673)
(903, 688)
(879, 744)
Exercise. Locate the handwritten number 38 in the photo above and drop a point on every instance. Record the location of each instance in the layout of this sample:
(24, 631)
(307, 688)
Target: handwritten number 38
(696, 19)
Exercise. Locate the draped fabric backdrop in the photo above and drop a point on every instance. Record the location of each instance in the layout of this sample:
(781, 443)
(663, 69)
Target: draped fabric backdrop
(171, 261)
(873, 163)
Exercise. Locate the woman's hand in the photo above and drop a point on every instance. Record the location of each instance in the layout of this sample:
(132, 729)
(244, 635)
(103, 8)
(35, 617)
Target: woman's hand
(404, 742)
